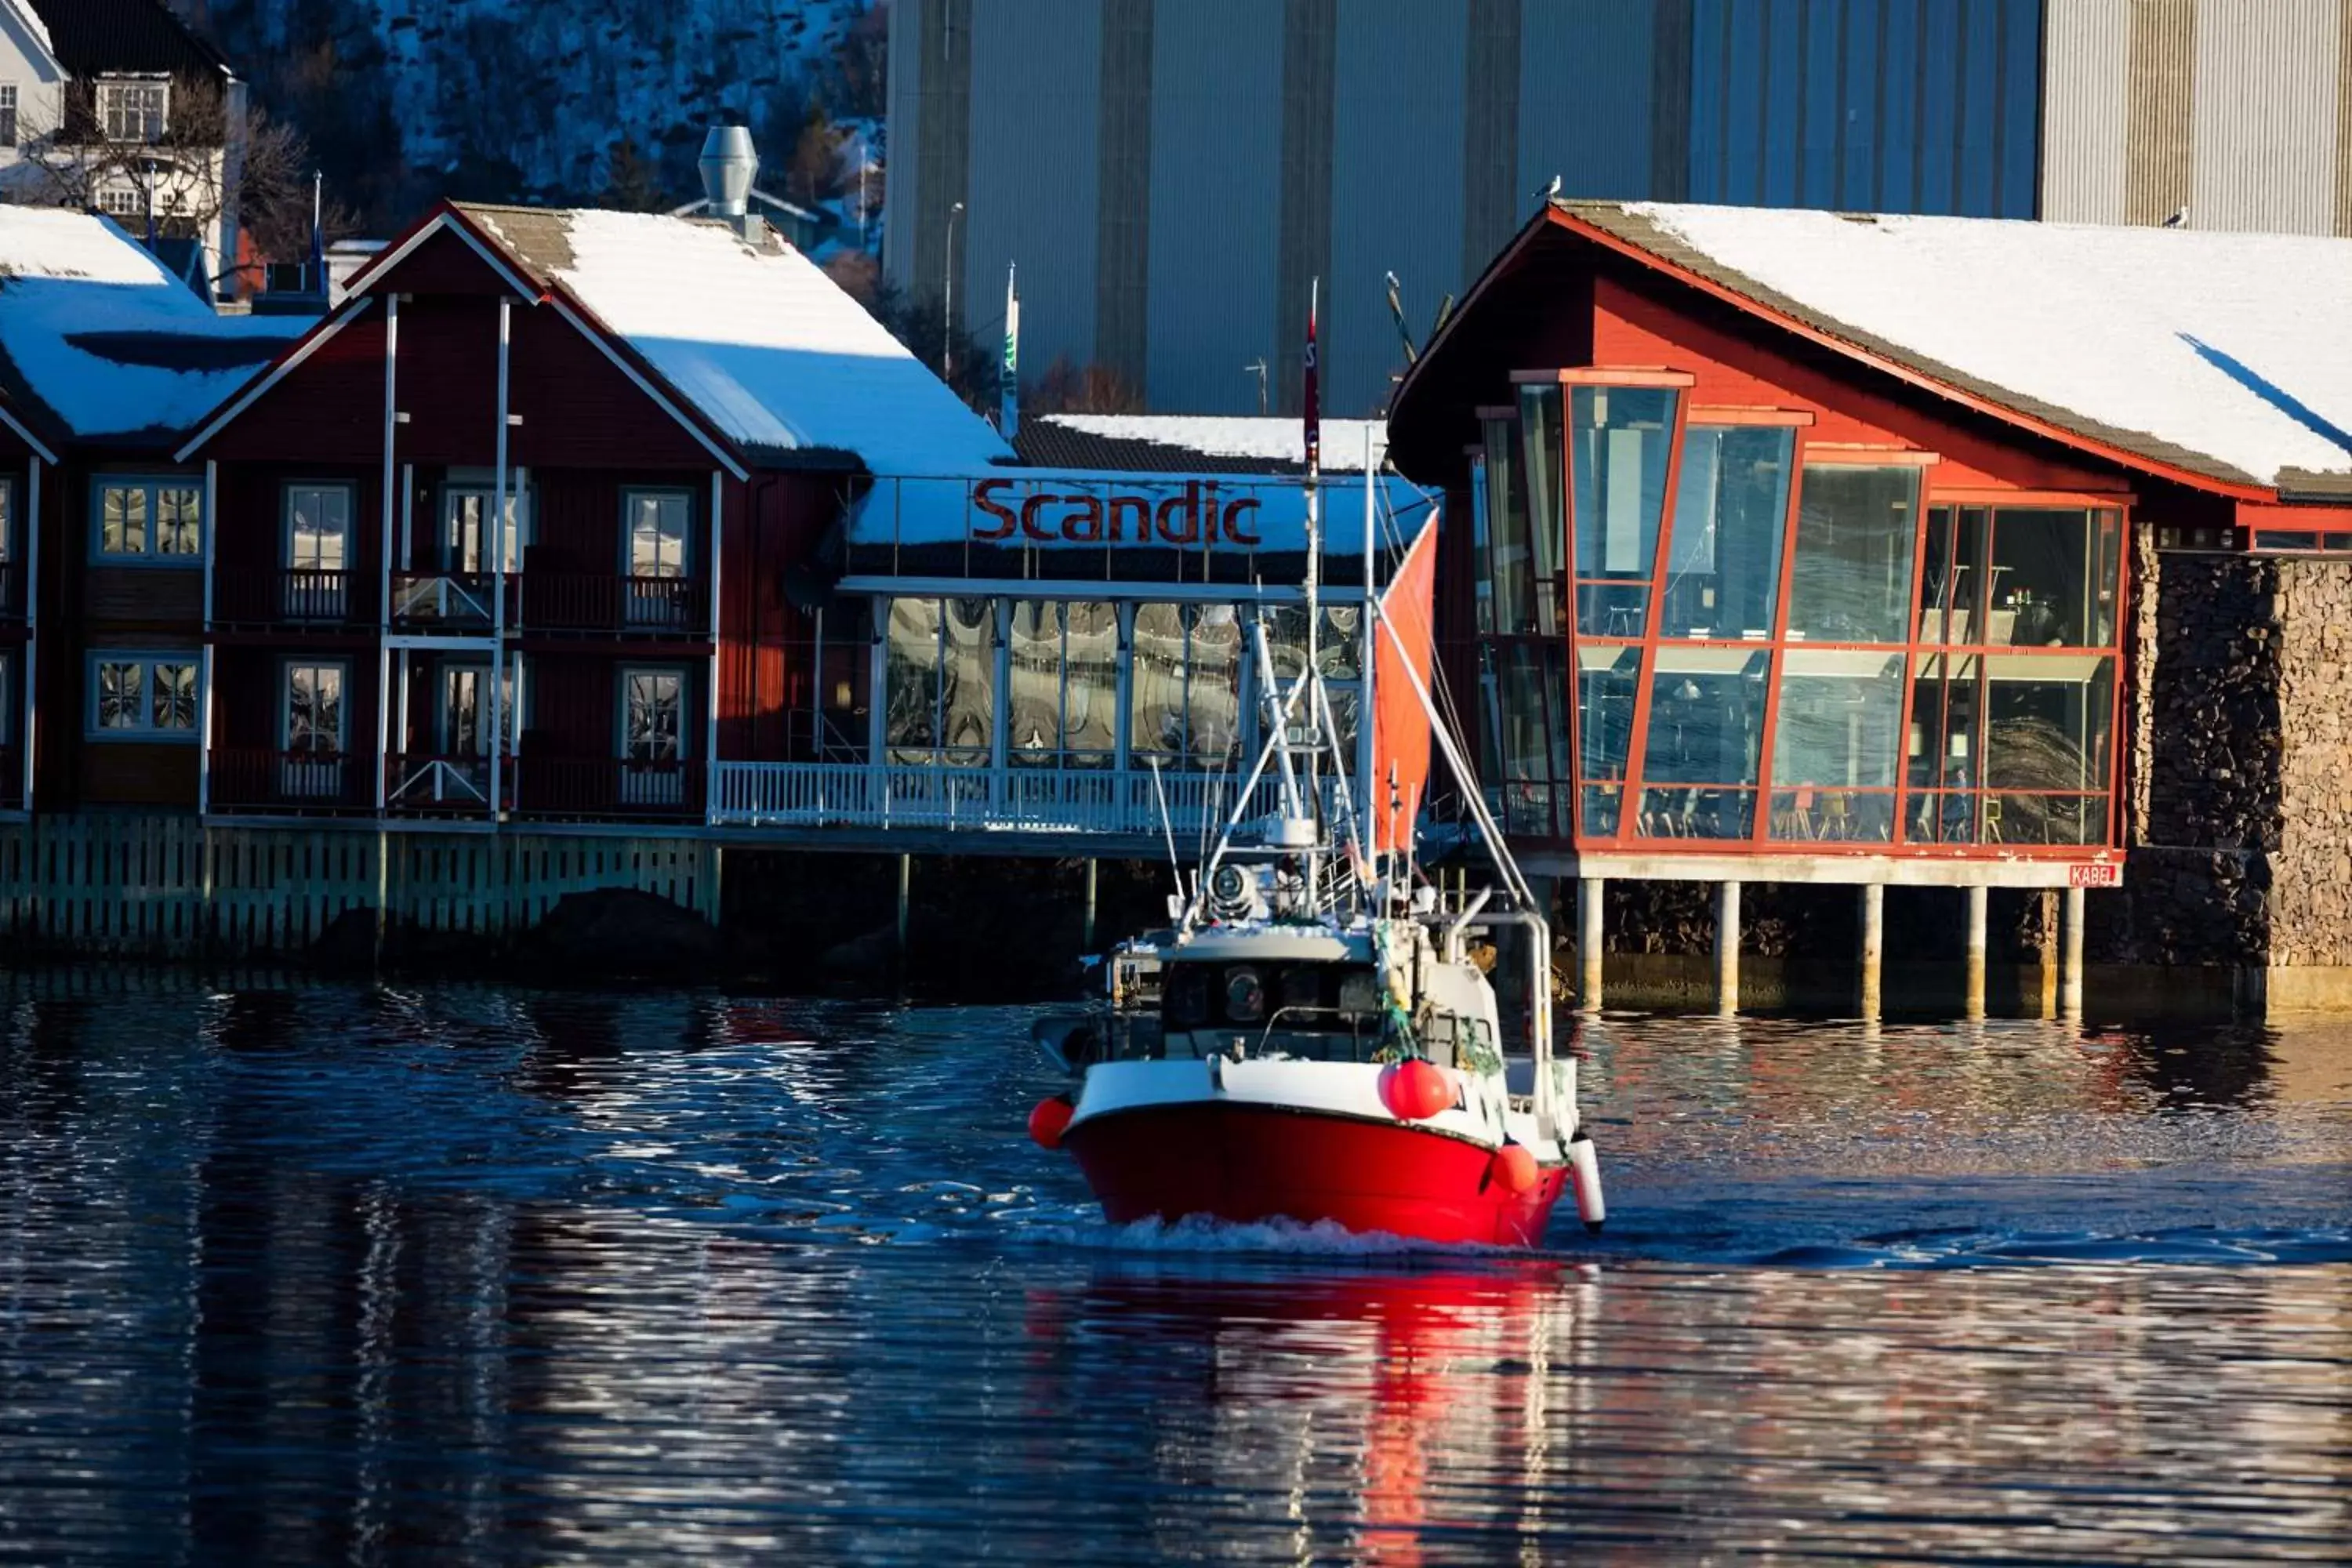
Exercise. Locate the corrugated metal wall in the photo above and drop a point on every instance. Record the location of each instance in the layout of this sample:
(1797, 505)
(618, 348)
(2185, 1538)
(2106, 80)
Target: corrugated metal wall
(1216, 203)
(1891, 105)
(1396, 187)
(2237, 110)
(1289, 138)
(1036, 161)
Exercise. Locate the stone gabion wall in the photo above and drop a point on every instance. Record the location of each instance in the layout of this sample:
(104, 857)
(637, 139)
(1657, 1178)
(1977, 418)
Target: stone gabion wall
(2311, 874)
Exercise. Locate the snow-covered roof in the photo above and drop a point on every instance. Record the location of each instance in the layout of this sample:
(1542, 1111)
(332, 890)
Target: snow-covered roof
(1274, 444)
(100, 338)
(2221, 354)
(773, 353)
(30, 20)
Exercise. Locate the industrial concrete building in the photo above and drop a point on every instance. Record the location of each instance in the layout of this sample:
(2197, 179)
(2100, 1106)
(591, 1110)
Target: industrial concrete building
(1169, 175)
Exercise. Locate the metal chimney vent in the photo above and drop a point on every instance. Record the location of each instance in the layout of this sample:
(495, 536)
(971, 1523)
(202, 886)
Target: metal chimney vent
(729, 165)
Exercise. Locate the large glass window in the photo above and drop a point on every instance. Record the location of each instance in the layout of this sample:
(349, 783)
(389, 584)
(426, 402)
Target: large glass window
(2047, 722)
(1857, 530)
(2053, 577)
(1618, 445)
(658, 537)
(1723, 555)
(466, 540)
(1063, 705)
(1503, 598)
(939, 682)
(1539, 448)
(317, 550)
(1184, 700)
(1941, 765)
(1533, 724)
(1699, 762)
(1607, 679)
(1833, 747)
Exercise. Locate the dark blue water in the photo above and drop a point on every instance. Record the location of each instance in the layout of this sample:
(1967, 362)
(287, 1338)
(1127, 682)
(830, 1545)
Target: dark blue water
(333, 1275)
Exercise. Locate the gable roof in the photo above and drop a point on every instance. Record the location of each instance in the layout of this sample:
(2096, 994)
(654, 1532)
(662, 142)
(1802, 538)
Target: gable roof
(2207, 357)
(99, 343)
(754, 339)
(91, 38)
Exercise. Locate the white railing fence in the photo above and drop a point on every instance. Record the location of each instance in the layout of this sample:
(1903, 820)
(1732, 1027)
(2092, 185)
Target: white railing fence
(979, 800)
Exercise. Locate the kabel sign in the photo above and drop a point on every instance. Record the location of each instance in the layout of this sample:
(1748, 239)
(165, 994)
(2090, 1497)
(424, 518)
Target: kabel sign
(1039, 513)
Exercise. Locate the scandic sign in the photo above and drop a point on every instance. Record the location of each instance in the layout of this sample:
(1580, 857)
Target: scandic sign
(1191, 514)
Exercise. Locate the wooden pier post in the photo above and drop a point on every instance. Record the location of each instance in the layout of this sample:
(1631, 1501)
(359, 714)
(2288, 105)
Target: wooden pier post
(906, 879)
(1980, 897)
(1726, 948)
(1873, 946)
(1086, 941)
(1588, 943)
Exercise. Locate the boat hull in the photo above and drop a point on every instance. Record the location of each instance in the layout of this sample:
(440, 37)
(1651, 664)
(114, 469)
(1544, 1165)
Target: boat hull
(1248, 1162)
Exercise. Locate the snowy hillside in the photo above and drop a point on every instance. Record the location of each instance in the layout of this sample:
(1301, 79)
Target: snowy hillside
(504, 99)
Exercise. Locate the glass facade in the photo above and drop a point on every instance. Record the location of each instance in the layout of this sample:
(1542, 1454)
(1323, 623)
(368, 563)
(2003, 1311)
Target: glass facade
(1775, 652)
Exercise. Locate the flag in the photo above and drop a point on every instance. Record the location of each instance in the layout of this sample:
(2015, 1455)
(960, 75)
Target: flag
(1008, 376)
(1312, 401)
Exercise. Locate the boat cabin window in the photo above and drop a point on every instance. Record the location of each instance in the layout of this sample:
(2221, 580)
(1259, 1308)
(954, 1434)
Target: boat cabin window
(1311, 997)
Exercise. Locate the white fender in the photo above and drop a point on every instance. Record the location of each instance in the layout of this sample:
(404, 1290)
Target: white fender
(1584, 1175)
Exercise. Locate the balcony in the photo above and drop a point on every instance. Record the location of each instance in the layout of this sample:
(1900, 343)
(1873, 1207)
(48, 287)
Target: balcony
(286, 597)
(591, 602)
(452, 603)
(609, 789)
(980, 800)
(429, 785)
(248, 780)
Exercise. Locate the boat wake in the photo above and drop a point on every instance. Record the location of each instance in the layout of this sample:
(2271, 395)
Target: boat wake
(1201, 1234)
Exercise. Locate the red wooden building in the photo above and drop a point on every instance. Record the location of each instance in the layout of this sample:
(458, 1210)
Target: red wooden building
(1804, 545)
(667, 415)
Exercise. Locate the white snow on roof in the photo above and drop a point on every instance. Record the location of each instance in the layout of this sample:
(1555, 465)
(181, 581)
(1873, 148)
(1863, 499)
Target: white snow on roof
(101, 333)
(1270, 439)
(771, 350)
(2131, 328)
(31, 21)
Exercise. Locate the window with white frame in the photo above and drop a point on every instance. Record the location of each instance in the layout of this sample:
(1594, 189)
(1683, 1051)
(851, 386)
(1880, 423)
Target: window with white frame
(652, 736)
(314, 707)
(657, 521)
(465, 701)
(318, 549)
(133, 110)
(7, 114)
(159, 521)
(121, 201)
(467, 542)
(142, 696)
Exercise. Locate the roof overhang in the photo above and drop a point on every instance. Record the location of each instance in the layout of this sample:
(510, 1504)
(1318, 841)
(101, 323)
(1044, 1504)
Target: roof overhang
(1558, 219)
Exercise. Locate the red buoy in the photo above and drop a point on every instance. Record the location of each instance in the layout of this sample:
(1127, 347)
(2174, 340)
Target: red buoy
(1414, 1089)
(1514, 1168)
(1049, 1119)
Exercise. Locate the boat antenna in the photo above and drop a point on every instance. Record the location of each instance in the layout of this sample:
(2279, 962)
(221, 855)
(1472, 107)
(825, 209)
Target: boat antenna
(1168, 831)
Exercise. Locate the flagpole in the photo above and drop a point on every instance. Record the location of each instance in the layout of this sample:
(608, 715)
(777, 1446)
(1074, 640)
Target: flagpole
(1008, 418)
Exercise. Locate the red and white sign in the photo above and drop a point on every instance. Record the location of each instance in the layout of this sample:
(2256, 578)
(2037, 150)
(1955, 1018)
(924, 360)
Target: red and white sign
(2096, 874)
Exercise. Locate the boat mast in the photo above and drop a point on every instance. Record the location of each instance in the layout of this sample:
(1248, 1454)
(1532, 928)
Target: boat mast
(1311, 404)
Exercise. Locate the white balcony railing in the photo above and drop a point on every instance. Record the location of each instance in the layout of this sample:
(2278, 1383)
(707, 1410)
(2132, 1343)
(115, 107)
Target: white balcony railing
(978, 800)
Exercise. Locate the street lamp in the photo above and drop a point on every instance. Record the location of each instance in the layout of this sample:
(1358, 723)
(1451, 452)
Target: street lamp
(947, 341)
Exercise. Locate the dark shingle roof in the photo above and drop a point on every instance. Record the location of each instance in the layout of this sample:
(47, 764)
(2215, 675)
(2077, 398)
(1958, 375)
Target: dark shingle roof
(91, 38)
(1047, 445)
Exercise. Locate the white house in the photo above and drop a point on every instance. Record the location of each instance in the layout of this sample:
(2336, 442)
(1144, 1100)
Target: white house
(119, 107)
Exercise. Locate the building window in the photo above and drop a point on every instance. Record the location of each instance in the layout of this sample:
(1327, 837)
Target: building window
(8, 526)
(133, 110)
(465, 543)
(1857, 530)
(314, 708)
(1620, 438)
(142, 696)
(939, 682)
(7, 114)
(465, 708)
(1184, 697)
(652, 736)
(1062, 701)
(655, 567)
(1707, 727)
(158, 522)
(1723, 558)
(317, 551)
(121, 201)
